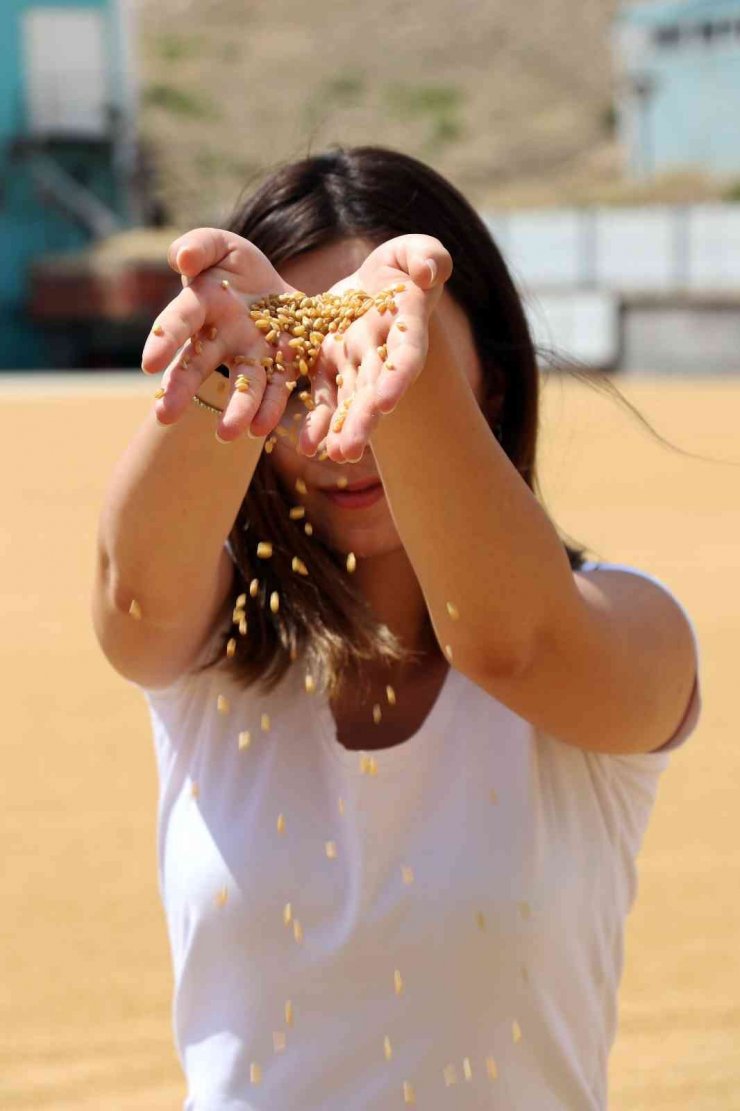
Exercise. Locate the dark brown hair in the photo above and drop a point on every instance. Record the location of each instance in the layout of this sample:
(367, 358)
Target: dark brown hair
(375, 194)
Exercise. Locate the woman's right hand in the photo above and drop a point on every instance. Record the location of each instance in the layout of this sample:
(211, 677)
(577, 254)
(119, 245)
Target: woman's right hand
(208, 325)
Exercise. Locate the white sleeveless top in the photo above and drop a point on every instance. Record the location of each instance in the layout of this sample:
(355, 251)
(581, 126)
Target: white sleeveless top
(469, 909)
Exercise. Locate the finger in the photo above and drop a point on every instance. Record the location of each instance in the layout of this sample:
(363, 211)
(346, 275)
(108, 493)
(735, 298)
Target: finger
(205, 248)
(363, 416)
(180, 320)
(413, 254)
(407, 345)
(198, 250)
(347, 388)
(273, 399)
(196, 362)
(243, 404)
(316, 424)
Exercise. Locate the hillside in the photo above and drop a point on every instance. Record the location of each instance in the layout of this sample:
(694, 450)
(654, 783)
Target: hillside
(512, 101)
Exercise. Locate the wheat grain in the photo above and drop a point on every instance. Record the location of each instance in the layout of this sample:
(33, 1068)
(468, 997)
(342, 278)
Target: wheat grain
(450, 1075)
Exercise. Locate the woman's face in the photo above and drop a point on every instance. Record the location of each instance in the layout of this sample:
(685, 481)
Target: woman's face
(369, 530)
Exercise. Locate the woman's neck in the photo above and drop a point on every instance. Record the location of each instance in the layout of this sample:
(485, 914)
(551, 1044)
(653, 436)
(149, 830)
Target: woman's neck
(390, 586)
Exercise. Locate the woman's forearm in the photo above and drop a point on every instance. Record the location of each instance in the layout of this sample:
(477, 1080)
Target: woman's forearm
(169, 507)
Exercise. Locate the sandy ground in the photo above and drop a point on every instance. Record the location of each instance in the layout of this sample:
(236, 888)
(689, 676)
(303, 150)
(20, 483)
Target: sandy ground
(86, 985)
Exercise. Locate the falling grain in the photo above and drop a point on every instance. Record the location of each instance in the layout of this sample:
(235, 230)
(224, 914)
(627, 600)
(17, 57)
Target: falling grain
(450, 1075)
(264, 550)
(244, 739)
(331, 850)
(377, 713)
(254, 588)
(491, 1068)
(467, 1069)
(135, 610)
(407, 873)
(408, 1093)
(274, 601)
(298, 511)
(351, 562)
(516, 1031)
(453, 611)
(397, 982)
(265, 723)
(310, 684)
(255, 1071)
(278, 1041)
(390, 694)
(222, 704)
(159, 393)
(387, 1048)
(222, 896)
(281, 823)
(297, 931)
(288, 1013)
(231, 648)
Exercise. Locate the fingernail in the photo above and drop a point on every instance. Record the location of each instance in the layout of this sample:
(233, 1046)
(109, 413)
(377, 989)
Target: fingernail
(432, 269)
(251, 435)
(220, 440)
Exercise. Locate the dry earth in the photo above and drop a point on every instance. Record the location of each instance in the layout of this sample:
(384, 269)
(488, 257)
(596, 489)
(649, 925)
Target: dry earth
(85, 995)
(512, 102)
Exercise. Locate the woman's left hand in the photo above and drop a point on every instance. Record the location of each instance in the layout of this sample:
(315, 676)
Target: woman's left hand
(374, 385)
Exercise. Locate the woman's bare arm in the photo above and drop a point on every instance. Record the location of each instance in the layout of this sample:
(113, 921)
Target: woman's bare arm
(169, 506)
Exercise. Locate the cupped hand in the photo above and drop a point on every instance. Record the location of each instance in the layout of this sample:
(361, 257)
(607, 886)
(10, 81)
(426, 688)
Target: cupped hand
(208, 325)
(356, 382)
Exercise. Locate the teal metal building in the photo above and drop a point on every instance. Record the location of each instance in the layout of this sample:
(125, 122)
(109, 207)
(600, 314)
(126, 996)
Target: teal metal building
(67, 147)
(678, 71)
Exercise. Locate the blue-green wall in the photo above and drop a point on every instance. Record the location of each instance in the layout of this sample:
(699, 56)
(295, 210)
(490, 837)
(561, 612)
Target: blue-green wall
(28, 229)
(691, 120)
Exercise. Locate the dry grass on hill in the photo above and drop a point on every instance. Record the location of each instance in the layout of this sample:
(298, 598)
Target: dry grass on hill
(511, 101)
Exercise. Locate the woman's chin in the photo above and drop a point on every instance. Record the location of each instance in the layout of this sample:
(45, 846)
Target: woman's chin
(365, 543)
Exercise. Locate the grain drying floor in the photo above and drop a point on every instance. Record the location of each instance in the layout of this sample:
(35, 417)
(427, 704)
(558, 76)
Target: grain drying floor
(85, 1004)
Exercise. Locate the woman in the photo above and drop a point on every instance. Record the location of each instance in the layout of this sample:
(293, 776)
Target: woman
(400, 805)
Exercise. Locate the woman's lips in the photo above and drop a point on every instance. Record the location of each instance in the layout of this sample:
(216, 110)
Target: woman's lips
(357, 498)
